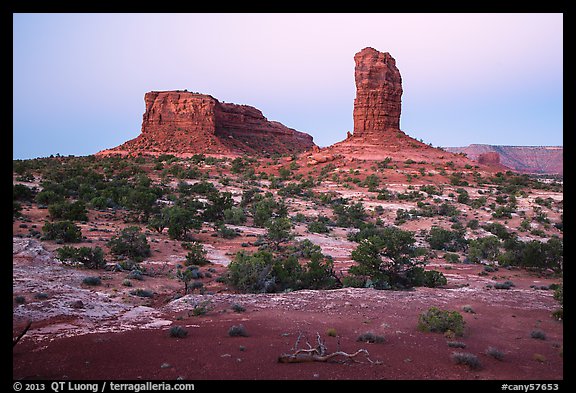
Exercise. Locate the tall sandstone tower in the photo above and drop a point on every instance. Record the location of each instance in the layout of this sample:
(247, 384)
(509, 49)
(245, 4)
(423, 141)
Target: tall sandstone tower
(378, 101)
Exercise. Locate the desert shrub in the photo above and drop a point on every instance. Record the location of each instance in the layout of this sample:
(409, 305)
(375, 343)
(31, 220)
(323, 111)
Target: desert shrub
(371, 181)
(263, 272)
(62, 231)
(559, 293)
(332, 332)
(370, 337)
(387, 259)
(127, 283)
(279, 230)
(237, 331)
(430, 189)
(468, 309)
(441, 321)
(266, 208)
(91, 258)
(498, 230)
(456, 344)
(178, 332)
(180, 220)
(473, 224)
(16, 209)
(249, 273)
(452, 258)
(225, 232)
(101, 202)
(318, 226)
(135, 274)
(92, 280)
(484, 248)
(186, 275)
(202, 308)
(75, 211)
(535, 254)
(142, 292)
(46, 197)
(495, 353)
(539, 357)
(367, 230)
(350, 216)
(449, 210)
(463, 196)
(504, 211)
(19, 299)
(236, 307)
(538, 334)
(466, 358)
(196, 255)
(21, 192)
(419, 277)
(196, 285)
(130, 243)
(218, 202)
(444, 239)
(353, 281)
(558, 314)
(384, 164)
(234, 216)
(504, 285)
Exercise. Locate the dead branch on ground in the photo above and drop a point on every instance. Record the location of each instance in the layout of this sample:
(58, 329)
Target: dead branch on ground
(319, 353)
(15, 341)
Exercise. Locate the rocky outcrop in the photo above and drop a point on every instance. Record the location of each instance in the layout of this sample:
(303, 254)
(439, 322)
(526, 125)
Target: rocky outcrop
(525, 159)
(377, 110)
(488, 158)
(186, 122)
(377, 105)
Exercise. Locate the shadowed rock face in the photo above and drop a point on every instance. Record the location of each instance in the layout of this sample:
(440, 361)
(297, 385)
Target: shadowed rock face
(186, 122)
(377, 105)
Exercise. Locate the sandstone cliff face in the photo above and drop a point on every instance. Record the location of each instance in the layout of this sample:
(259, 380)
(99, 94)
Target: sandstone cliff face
(377, 105)
(186, 122)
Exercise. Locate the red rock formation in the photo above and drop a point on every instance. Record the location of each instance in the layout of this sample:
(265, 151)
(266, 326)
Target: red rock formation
(377, 109)
(525, 159)
(185, 122)
(489, 158)
(377, 104)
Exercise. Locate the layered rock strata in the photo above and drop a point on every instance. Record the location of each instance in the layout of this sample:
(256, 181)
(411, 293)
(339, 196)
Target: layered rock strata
(377, 105)
(186, 122)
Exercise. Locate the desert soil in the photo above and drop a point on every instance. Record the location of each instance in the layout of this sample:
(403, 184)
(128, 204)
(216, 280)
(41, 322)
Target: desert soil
(79, 332)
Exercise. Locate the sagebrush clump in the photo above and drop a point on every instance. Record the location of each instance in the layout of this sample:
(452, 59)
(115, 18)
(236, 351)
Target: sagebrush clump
(237, 331)
(468, 359)
(178, 332)
(370, 337)
(441, 321)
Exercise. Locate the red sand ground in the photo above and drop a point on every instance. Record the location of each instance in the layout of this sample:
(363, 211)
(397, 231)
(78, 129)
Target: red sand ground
(503, 319)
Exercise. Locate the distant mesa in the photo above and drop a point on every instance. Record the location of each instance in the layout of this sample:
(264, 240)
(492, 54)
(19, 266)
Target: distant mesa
(183, 122)
(525, 159)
